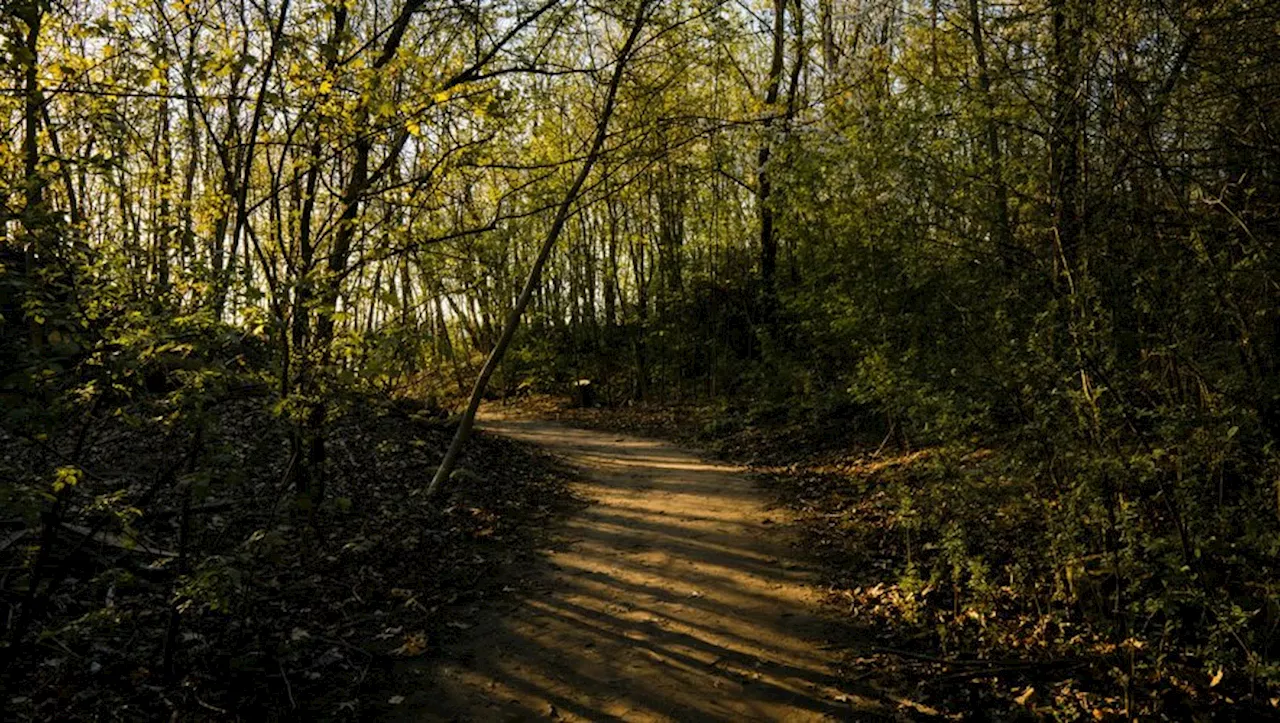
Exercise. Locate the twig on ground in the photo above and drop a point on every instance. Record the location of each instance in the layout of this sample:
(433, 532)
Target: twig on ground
(293, 705)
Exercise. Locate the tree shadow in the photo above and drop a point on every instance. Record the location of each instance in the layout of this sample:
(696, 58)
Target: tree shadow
(670, 597)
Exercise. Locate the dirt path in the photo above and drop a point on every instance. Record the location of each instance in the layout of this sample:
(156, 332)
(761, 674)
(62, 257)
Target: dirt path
(674, 596)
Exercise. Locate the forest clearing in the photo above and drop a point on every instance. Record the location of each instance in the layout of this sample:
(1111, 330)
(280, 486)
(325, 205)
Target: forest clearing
(639, 360)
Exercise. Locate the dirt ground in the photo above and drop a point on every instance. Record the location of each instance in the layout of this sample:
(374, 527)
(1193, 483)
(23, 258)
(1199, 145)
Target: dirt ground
(674, 595)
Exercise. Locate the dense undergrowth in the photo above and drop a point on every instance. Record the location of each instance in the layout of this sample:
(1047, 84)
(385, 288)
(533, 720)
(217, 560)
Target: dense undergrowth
(969, 592)
(158, 564)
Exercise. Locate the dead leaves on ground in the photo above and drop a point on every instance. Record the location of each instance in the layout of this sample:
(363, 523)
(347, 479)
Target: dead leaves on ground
(287, 609)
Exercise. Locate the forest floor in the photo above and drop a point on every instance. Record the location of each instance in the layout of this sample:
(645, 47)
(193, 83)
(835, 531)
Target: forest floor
(676, 593)
(311, 608)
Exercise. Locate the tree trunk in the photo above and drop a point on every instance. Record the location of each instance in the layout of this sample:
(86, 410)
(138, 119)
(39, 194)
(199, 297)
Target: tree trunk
(764, 186)
(562, 216)
(1065, 138)
(1001, 231)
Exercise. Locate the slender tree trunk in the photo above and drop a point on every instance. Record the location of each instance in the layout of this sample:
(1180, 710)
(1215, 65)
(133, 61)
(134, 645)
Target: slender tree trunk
(218, 242)
(193, 155)
(764, 184)
(358, 183)
(1065, 137)
(793, 107)
(562, 216)
(250, 142)
(641, 341)
(33, 212)
(826, 22)
(1001, 231)
(166, 225)
(33, 15)
(611, 285)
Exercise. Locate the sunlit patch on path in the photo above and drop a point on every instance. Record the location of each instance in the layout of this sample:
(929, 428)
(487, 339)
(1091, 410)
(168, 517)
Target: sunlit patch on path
(674, 596)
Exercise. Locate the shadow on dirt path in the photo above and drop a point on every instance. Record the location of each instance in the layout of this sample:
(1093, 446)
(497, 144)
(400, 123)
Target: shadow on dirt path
(674, 595)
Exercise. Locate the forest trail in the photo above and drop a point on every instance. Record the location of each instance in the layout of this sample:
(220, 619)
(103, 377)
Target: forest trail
(674, 595)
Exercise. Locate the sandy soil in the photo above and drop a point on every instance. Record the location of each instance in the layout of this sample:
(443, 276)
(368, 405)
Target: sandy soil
(675, 595)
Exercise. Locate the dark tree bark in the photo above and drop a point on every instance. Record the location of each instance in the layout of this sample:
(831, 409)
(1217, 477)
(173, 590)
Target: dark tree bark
(764, 184)
(1065, 137)
(1001, 231)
